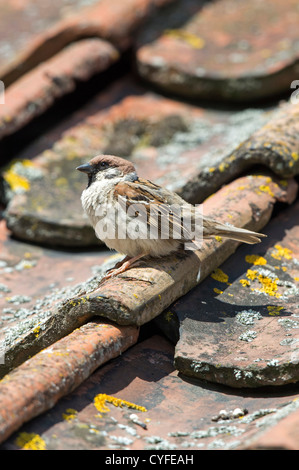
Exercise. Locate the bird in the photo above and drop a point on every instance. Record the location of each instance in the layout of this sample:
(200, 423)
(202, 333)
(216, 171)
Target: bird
(141, 219)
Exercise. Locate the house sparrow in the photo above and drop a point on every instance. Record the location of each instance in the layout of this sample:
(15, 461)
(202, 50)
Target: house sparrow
(115, 198)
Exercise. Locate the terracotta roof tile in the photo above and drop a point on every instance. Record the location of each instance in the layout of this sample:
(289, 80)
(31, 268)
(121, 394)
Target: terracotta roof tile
(37, 91)
(225, 51)
(37, 385)
(138, 401)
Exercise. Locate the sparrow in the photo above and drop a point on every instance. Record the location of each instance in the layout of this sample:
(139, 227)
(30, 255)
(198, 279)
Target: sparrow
(116, 198)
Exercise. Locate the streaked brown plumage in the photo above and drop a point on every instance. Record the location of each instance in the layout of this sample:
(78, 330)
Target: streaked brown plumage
(113, 180)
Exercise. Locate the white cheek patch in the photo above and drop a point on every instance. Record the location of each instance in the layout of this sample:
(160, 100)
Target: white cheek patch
(111, 173)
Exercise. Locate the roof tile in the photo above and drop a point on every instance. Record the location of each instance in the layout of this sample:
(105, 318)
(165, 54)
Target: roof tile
(37, 384)
(225, 51)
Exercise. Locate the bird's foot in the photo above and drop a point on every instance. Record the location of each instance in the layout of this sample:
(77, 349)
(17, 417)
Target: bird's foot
(122, 266)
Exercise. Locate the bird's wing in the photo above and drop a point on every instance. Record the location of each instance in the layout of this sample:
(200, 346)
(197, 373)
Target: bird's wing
(162, 217)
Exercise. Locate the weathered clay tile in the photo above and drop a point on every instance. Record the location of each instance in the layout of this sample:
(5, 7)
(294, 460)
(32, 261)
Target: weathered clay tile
(151, 407)
(240, 327)
(115, 21)
(22, 21)
(38, 90)
(225, 51)
(274, 145)
(281, 435)
(40, 382)
(142, 293)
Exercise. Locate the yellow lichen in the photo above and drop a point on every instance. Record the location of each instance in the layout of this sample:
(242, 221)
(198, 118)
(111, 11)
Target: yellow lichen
(244, 282)
(281, 253)
(217, 291)
(186, 36)
(223, 166)
(266, 189)
(251, 274)
(57, 353)
(27, 163)
(101, 399)
(100, 403)
(30, 441)
(16, 181)
(69, 414)
(274, 310)
(80, 301)
(27, 265)
(36, 331)
(220, 276)
(169, 316)
(256, 260)
(269, 286)
(219, 239)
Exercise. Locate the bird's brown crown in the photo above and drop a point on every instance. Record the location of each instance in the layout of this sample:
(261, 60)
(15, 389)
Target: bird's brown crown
(113, 162)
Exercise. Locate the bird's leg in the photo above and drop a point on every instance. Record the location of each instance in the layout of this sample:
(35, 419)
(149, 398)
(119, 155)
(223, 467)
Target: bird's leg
(119, 263)
(122, 266)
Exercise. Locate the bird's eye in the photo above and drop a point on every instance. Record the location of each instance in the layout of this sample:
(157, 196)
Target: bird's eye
(103, 164)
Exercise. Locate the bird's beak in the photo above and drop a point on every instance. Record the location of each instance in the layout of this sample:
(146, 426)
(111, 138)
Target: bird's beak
(85, 168)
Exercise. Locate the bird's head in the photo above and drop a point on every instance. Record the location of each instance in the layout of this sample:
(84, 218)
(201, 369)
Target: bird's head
(106, 167)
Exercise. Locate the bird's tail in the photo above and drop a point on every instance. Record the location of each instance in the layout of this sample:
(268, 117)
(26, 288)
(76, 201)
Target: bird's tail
(233, 233)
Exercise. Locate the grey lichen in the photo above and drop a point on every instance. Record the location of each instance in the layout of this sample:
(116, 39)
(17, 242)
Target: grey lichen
(248, 336)
(248, 317)
(216, 431)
